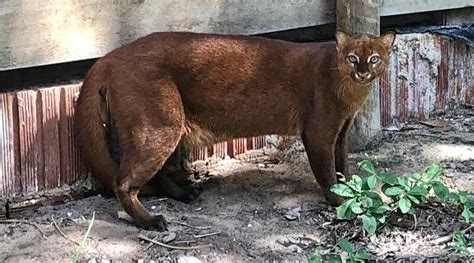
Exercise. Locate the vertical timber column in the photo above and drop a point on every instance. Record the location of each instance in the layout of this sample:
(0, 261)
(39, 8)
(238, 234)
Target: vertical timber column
(362, 16)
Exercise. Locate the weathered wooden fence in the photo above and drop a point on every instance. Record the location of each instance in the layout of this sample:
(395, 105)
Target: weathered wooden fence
(38, 149)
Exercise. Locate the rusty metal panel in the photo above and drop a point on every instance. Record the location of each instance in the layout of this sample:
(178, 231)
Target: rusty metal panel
(71, 165)
(427, 72)
(198, 154)
(30, 140)
(50, 121)
(241, 145)
(9, 162)
(220, 150)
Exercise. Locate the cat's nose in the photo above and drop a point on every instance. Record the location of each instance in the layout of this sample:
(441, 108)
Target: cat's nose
(363, 76)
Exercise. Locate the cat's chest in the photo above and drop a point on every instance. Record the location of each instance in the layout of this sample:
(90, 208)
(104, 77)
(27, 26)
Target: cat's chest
(352, 97)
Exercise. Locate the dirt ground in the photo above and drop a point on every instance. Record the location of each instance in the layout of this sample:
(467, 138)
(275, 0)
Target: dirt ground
(243, 206)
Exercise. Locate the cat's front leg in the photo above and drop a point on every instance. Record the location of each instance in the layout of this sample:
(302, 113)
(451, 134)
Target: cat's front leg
(341, 149)
(320, 145)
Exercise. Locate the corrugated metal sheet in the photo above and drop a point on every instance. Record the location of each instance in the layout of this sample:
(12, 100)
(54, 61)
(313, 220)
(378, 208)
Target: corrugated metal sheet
(9, 159)
(38, 147)
(427, 72)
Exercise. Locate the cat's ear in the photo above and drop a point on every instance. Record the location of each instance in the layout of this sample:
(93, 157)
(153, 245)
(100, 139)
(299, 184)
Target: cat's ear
(341, 37)
(387, 40)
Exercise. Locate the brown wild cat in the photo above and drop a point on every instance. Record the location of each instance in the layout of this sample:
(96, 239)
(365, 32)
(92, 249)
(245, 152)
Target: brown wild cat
(197, 88)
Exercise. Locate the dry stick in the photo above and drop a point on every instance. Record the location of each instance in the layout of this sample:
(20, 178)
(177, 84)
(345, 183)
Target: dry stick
(207, 235)
(151, 244)
(61, 232)
(448, 238)
(141, 236)
(18, 221)
(416, 223)
(184, 242)
(190, 226)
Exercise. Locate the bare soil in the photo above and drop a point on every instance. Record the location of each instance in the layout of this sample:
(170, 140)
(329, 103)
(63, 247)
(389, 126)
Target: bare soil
(244, 204)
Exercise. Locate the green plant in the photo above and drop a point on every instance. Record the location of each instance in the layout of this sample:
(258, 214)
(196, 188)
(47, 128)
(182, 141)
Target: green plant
(83, 243)
(460, 244)
(467, 207)
(352, 255)
(363, 201)
(403, 193)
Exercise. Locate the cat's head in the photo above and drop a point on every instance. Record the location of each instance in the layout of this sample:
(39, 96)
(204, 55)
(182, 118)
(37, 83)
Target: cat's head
(363, 57)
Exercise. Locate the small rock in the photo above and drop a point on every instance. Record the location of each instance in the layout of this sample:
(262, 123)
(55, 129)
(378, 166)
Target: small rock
(170, 237)
(69, 214)
(123, 215)
(283, 241)
(293, 214)
(188, 259)
(295, 249)
(153, 207)
(452, 166)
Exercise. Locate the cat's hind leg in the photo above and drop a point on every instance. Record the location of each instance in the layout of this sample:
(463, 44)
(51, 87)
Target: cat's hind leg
(150, 127)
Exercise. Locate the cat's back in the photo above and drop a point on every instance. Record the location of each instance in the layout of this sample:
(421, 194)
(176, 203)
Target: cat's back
(186, 48)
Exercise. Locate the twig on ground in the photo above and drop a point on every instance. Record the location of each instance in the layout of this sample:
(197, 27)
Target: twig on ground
(447, 238)
(141, 236)
(20, 221)
(207, 235)
(61, 232)
(190, 226)
(151, 243)
(416, 222)
(184, 242)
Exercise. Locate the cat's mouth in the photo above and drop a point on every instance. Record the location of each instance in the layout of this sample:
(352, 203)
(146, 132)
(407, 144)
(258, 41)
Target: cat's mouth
(363, 79)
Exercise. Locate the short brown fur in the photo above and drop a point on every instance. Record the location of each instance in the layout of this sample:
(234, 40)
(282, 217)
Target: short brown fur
(170, 87)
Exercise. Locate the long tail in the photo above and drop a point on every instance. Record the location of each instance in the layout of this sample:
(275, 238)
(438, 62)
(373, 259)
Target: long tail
(90, 123)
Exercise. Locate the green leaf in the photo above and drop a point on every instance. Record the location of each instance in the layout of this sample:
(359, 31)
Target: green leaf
(381, 209)
(369, 224)
(345, 245)
(453, 197)
(440, 190)
(369, 202)
(315, 258)
(463, 197)
(391, 191)
(403, 181)
(419, 190)
(356, 183)
(433, 171)
(342, 190)
(404, 204)
(356, 208)
(467, 214)
(372, 199)
(459, 238)
(333, 258)
(413, 199)
(367, 166)
(372, 181)
(361, 255)
(381, 219)
(415, 176)
(342, 209)
(388, 178)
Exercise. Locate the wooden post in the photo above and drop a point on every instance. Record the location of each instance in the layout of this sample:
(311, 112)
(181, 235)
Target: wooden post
(362, 17)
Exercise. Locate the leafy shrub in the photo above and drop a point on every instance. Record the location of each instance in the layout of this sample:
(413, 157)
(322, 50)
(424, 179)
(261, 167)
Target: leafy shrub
(404, 193)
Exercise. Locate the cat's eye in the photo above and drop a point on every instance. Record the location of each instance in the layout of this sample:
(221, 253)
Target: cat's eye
(352, 59)
(374, 59)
